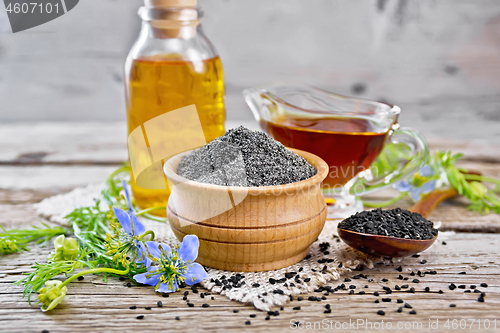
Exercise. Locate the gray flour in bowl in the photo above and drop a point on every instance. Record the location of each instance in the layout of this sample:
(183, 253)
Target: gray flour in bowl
(243, 157)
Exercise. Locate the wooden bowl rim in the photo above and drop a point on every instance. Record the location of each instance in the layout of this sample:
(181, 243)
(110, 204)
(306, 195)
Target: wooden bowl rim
(170, 170)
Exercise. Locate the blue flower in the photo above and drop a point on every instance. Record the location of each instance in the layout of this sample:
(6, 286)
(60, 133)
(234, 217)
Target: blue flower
(128, 242)
(418, 184)
(133, 229)
(174, 267)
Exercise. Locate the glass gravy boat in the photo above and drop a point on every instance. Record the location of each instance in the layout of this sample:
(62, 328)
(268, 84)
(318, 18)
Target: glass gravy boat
(348, 133)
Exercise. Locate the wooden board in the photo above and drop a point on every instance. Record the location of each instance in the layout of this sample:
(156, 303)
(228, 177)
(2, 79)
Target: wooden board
(95, 305)
(92, 304)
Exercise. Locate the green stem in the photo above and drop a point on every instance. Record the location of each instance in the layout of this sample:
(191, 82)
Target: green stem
(149, 232)
(147, 210)
(155, 218)
(93, 271)
(482, 179)
(384, 203)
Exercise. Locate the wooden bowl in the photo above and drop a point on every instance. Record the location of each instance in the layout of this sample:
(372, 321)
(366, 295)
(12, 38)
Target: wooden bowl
(248, 228)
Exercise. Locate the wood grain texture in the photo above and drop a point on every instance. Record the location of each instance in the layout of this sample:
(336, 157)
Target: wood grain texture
(248, 228)
(93, 304)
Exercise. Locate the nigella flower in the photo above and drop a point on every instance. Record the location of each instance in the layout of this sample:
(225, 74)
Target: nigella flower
(420, 183)
(173, 267)
(127, 243)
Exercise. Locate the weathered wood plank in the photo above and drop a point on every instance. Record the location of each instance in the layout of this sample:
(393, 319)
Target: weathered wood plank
(105, 306)
(106, 144)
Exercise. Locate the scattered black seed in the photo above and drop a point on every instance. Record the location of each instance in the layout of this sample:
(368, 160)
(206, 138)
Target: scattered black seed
(247, 322)
(377, 301)
(405, 286)
(347, 280)
(159, 304)
(399, 269)
(300, 298)
(129, 284)
(472, 286)
(253, 315)
(453, 305)
(140, 317)
(268, 317)
(381, 313)
(323, 298)
(45, 331)
(441, 292)
(427, 289)
(462, 286)
(386, 288)
(312, 298)
(462, 273)
(405, 279)
(413, 312)
(376, 293)
(177, 318)
(80, 278)
(408, 306)
(236, 311)
(307, 279)
(133, 307)
(467, 291)
(328, 311)
(147, 308)
(386, 299)
(416, 281)
(366, 286)
(185, 298)
(351, 292)
(384, 280)
(400, 309)
(276, 313)
(352, 286)
(296, 308)
(186, 293)
(480, 299)
(361, 292)
(165, 295)
(484, 285)
(121, 278)
(212, 298)
(416, 255)
(400, 277)
(423, 262)
(400, 300)
(205, 305)
(412, 290)
(452, 286)
(190, 305)
(444, 243)
(397, 287)
(412, 273)
(396, 222)
(477, 291)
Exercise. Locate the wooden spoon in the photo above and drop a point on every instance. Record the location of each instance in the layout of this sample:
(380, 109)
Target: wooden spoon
(387, 246)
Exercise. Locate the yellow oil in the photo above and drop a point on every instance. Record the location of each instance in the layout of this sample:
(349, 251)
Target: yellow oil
(159, 84)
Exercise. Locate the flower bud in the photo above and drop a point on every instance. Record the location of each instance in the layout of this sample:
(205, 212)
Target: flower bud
(8, 245)
(51, 295)
(65, 249)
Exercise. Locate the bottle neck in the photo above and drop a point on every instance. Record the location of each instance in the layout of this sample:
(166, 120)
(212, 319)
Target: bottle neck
(162, 23)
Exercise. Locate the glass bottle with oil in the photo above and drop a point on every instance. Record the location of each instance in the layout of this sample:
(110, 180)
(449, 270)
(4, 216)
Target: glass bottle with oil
(171, 66)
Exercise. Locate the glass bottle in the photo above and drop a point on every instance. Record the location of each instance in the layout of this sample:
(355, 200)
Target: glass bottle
(172, 65)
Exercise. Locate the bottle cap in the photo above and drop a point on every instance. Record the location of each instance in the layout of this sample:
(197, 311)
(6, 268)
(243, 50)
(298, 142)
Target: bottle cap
(170, 3)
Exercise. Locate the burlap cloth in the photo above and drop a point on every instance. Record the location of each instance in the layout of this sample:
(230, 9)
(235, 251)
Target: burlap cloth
(263, 289)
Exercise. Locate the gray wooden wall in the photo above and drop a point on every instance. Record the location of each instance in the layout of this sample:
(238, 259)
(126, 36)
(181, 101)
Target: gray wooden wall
(438, 60)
